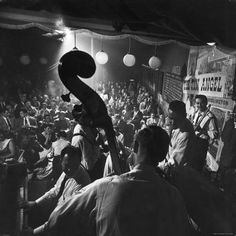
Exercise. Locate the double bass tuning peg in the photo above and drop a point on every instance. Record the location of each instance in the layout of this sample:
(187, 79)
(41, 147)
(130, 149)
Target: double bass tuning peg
(66, 97)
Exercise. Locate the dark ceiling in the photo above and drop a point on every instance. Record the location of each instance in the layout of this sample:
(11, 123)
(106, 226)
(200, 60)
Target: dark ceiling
(194, 22)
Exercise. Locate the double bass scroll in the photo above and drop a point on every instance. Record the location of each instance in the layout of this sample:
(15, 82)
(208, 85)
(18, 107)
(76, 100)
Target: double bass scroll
(75, 64)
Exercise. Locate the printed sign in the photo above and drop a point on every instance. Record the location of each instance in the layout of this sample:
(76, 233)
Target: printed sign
(172, 87)
(208, 84)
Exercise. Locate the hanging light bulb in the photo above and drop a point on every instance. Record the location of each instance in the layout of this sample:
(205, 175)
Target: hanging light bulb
(101, 56)
(129, 59)
(154, 62)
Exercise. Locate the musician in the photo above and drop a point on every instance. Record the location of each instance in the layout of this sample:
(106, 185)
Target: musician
(84, 137)
(205, 127)
(182, 133)
(73, 178)
(55, 152)
(136, 203)
(204, 121)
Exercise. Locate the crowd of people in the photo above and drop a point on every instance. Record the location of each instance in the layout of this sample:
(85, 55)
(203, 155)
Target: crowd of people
(58, 143)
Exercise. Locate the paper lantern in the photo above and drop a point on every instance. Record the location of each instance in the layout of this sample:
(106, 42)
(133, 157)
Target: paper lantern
(154, 62)
(101, 57)
(25, 59)
(129, 60)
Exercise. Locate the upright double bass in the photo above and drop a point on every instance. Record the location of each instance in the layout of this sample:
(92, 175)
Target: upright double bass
(73, 65)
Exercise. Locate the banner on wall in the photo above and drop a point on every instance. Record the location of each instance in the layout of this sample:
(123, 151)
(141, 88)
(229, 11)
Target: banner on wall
(210, 72)
(212, 84)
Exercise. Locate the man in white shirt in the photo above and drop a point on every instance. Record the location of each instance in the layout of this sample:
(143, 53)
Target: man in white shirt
(73, 178)
(84, 137)
(137, 203)
(204, 121)
(152, 120)
(55, 153)
(59, 144)
(182, 135)
(205, 126)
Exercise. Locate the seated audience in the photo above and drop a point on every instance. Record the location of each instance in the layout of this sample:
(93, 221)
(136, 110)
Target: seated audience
(31, 148)
(62, 122)
(7, 148)
(46, 137)
(6, 124)
(152, 120)
(25, 121)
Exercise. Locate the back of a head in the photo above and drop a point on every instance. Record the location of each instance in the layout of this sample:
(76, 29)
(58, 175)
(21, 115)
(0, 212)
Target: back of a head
(61, 134)
(74, 153)
(178, 107)
(156, 141)
(78, 111)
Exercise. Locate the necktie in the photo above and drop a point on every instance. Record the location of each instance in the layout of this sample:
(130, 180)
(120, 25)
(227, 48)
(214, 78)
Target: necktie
(61, 188)
(198, 116)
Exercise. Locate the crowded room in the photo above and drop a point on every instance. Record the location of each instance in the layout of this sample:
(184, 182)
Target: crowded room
(117, 118)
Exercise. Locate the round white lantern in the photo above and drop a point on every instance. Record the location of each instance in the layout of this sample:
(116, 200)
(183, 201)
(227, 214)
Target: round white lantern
(129, 60)
(154, 62)
(101, 57)
(25, 59)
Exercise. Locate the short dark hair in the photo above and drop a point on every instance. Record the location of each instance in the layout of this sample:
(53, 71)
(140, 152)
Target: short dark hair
(73, 152)
(62, 134)
(178, 107)
(156, 140)
(202, 97)
(77, 111)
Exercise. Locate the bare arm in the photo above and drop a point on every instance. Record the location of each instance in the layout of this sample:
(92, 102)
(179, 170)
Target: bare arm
(12, 151)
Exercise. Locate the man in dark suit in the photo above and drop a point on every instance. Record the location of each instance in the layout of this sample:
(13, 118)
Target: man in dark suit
(5, 123)
(26, 121)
